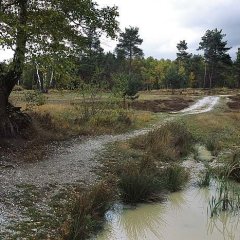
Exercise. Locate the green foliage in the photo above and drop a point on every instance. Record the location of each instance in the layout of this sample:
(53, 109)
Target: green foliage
(89, 209)
(139, 180)
(231, 165)
(215, 54)
(128, 43)
(168, 143)
(172, 78)
(182, 55)
(52, 28)
(33, 99)
(205, 178)
(213, 144)
(175, 178)
(126, 85)
(226, 198)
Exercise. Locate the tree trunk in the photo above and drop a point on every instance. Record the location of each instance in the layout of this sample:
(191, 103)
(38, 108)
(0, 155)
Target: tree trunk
(8, 125)
(7, 128)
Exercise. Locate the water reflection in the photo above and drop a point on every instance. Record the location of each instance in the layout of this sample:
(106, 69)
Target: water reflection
(227, 224)
(138, 223)
(183, 216)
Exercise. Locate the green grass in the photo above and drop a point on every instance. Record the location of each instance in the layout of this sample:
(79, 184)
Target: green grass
(226, 198)
(176, 178)
(205, 178)
(147, 167)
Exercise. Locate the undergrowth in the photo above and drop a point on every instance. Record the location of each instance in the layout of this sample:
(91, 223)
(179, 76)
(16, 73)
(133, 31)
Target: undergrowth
(168, 143)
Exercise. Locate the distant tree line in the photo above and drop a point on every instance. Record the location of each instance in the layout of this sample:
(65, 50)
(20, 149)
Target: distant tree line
(93, 66)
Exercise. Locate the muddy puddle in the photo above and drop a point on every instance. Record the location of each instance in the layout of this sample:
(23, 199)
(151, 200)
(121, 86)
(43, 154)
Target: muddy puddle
(183, 216)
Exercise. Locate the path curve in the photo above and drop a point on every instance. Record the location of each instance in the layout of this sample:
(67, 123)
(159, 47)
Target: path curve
(203, 105)
(74, 161)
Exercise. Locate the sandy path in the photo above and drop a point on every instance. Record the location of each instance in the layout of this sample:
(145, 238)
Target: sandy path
(205, 104)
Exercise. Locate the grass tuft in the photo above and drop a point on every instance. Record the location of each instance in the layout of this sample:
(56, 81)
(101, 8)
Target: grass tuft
(168, 143)
(175, 178)
(139, 181)
(88, 211)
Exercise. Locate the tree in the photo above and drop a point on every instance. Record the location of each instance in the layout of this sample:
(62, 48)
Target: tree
(215, 53)
(36, 27)
(172, 77)
(196, 66)
(127, 86)
(128, 45)
(237, 68)
(182, 54)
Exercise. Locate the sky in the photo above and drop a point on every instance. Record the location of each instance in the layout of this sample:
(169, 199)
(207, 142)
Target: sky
(163, 23)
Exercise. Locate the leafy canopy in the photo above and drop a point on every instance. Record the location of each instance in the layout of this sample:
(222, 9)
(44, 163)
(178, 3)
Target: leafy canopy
(53, 26)
(129, 42)
(214, 47)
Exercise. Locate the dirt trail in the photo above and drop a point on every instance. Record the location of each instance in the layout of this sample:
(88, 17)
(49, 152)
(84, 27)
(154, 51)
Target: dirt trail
(206, 104)
(73, 161)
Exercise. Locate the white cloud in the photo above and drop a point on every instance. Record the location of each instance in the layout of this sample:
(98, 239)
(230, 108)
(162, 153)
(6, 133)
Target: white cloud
(163, 23)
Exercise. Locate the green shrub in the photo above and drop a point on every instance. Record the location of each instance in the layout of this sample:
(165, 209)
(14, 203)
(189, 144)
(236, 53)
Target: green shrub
(34, 99)
(89, 209)
(168, 143)
(175, 178)
(205, 179)
(214, 145)
(232, 166)
(139, 180)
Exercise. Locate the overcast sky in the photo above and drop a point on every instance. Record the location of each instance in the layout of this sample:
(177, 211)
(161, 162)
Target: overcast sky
(163, 23)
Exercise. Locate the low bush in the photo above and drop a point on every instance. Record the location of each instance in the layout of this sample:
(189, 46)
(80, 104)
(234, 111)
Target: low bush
(168, 143)
(88, 211)
(45, 120)
(34, 99)
(205, 179)
(214, 144)
(175, 178)
(232, 166)
(139, 181)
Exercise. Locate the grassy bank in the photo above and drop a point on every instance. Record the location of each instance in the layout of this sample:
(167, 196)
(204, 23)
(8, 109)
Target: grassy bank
(144, 169)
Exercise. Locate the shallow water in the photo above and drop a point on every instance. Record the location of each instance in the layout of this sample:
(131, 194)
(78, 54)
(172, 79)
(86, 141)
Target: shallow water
(184, 216)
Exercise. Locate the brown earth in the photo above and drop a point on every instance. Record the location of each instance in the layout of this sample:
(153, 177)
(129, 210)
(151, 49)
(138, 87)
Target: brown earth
(166, 105)
(235, 103)
(32, 144)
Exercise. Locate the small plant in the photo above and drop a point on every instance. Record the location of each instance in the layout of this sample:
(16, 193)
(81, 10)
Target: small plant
(34, 99)
(168, 143)
(214, 145)
(45, 120)
(89, 209)
(234, 166)
(227, 198)
(139, 181)
(205, 179)
(175, 178)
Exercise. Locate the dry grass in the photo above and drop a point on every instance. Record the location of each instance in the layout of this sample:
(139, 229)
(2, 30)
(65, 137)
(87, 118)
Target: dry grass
(168, 143)
(221, 129)
(88, 211)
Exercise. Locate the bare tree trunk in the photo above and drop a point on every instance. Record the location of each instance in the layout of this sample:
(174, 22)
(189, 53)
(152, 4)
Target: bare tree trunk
(38, 76)
(205, 75)
(51, 79)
